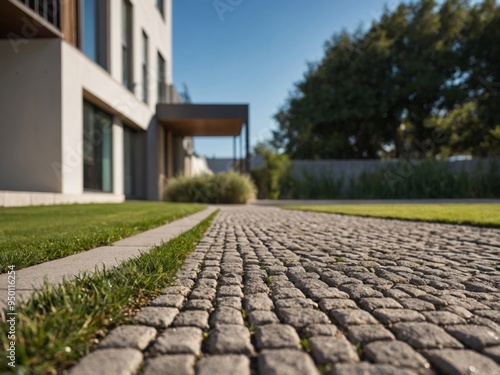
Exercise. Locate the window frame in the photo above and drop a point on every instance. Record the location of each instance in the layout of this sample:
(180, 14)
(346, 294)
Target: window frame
(160, 5)
(127, 44)
(91, 114)
(101, 32)
(162, 77)
(145, 67)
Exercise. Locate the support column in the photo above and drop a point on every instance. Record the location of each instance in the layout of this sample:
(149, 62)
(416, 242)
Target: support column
(170, 157)
(247, 147)
(234, 153)
(241, 163)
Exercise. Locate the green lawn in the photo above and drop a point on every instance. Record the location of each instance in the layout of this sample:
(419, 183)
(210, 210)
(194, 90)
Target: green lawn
(473, 214)
(33, 235)
(62, 323)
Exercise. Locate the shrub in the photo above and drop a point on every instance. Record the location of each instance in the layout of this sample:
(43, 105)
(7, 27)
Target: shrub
(273, 178)
(233, 188)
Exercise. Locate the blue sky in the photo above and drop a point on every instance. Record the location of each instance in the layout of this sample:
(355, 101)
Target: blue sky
(255, 52)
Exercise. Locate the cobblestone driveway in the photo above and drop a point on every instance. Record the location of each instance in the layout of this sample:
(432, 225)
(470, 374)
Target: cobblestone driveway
(269, 291)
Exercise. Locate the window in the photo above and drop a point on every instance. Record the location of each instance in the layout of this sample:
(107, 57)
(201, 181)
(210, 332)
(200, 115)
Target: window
(160, 4)
(97, 149)
(127, 70)
(145, 85)
(95, 31)
(161, 78)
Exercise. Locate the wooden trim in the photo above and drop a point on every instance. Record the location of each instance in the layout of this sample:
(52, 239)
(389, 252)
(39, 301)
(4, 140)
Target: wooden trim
(70, 21)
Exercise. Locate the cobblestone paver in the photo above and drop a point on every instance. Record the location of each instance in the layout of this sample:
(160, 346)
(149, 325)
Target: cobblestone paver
(269, 291)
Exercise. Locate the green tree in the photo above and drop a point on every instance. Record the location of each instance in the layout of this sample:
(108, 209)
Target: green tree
(375, 91)
(273, 175)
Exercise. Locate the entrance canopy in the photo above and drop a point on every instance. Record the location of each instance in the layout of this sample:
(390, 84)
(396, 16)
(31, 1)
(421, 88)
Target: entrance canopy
(207, 120)
(202, 120)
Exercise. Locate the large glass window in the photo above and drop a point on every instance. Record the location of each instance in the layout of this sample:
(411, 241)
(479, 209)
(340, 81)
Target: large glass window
(161, 78)
(97, 149)
(127, 44)
(95, 31)
(160, 4)
(145, 64)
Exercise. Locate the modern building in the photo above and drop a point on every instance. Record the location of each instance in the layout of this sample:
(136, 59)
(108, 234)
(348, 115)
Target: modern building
(88, 111)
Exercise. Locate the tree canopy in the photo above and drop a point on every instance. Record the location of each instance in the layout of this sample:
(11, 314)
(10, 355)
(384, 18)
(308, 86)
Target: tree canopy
(424, 77)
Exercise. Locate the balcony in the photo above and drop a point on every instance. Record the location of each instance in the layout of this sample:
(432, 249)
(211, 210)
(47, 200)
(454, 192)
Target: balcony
(29, 19)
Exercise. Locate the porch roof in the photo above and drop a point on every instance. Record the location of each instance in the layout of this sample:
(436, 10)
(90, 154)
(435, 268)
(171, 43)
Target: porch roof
(190, 120)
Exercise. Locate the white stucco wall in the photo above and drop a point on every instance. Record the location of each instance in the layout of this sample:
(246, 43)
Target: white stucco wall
(30, 115)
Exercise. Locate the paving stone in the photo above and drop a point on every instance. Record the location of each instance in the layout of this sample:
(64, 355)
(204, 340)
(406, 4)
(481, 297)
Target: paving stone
(460, 311)
(231, 280)
(234, 302)
(279, 283)
(474, 336)
(300, 318)
(396, 353)
(416, 304)
(368, 333)
(109, 361)
(208, 275)
(352, 317)
(331, 350)
(134, 337)
(480, 287)
(396, 294)
(443, 318)
(224, 365)
(371, 304)
(425, 336)
(357, 291)
(199, 304)
(230, 339)
(295, 303)
(188, 283)
(258, 302)
(203, 293)
(328, 304)
(436, 301)
(159, 317)
(171, 364)
(391, 316)
(277, 336)
(181, 340)
(192, 318)
(229, 291)
(369, 369)
(286, 293)
(458, 362)
(168, 300)
(226, 315)
(490, 314)
(317, 294)
(179, 290)
(262, 317)
(206, 283)
(286, 362)
(493, 352)
(314, 330)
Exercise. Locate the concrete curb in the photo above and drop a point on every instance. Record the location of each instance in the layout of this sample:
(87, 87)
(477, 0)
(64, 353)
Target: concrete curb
(67, 268)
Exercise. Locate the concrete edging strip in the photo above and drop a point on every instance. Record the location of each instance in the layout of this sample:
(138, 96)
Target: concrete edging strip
(67, 268)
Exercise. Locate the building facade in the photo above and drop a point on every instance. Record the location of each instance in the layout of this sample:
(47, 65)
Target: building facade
(81, 82)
